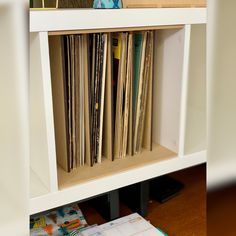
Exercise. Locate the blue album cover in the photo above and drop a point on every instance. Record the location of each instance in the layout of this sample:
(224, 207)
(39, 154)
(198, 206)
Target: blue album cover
(112, 4)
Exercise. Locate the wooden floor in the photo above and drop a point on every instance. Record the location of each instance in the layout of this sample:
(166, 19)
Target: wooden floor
(184, 215)
(221, 210)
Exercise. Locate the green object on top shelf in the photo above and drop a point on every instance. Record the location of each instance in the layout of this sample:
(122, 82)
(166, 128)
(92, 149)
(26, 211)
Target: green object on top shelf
(111, 4)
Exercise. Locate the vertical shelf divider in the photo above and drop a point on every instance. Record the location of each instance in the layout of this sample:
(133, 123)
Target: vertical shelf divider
(184, 90)
(42, 139)
(48, 105)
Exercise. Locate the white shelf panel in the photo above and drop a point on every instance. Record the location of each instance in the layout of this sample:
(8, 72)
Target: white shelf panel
(79, 19)
(167, 86)
(196, 131)
(37, 188)
(195, 124)
(42, 140)
(115, 181)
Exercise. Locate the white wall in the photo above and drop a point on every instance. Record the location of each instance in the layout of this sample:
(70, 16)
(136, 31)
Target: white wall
(14, 135)
(221, 91)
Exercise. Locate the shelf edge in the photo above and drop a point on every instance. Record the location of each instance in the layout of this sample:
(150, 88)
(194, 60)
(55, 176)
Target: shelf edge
(91, 19)
(106, 184)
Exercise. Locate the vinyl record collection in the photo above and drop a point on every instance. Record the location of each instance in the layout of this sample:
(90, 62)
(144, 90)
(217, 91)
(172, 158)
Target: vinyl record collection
(102, 95)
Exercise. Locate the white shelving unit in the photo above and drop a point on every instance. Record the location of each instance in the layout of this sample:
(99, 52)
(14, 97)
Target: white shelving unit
(179, 124)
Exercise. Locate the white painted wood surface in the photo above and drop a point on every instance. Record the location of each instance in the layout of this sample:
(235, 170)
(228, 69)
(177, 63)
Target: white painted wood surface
(37, 187)
(168, 67)
(42, 140)
(55, 20)
(105, 184)
(184, 89)
(195, 125)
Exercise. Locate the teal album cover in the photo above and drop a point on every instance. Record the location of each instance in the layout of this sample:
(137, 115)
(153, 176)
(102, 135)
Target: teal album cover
(111, 4)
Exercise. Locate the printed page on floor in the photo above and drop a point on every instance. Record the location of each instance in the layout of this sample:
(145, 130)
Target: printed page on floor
(129, 225)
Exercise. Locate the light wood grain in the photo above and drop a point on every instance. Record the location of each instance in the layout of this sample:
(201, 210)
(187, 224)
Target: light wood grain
(59, 106)
(107, 168)
(147, 136)
(163, 3)
(75, 4)
(107, 143)
(87, 102)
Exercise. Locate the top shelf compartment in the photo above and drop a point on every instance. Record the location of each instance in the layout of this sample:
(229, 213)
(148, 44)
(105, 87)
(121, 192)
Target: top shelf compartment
(82, 19)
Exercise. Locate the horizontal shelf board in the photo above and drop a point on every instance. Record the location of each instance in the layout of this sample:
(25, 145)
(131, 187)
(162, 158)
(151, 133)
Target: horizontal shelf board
(82, 19)
(108, 168)
(87, 31)
(82, 189)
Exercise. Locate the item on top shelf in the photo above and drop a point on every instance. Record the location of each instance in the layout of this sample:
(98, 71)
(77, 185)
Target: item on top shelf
(163, 3)
(115, 4)
(61, 4)
(75, 3)
(44, 4)
(61, 221)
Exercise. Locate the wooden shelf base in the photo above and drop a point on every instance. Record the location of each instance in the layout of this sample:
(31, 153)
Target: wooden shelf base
(107, 167)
